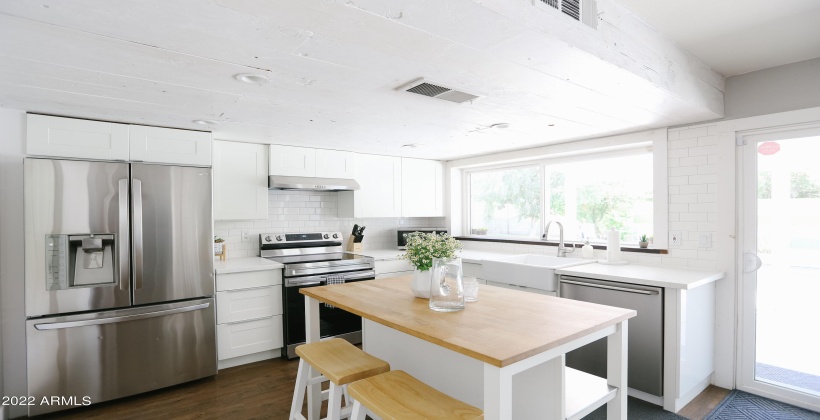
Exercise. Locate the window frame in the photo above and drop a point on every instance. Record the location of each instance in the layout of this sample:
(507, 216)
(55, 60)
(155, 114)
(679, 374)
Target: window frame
(659, 226)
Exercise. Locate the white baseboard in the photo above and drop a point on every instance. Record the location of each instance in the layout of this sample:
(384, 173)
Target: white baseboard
(248, 358)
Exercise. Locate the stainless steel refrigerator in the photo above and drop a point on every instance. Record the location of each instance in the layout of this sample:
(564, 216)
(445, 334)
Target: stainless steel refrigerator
(119, 279)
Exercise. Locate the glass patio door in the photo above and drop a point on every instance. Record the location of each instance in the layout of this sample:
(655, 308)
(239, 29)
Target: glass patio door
(779, 347)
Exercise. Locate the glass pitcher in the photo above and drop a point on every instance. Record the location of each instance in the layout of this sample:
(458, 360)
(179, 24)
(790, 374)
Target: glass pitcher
(446, 285)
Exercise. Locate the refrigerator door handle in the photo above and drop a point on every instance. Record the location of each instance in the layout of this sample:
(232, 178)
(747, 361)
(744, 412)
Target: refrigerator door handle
(124, 240)
(136, 189)
(116, 319)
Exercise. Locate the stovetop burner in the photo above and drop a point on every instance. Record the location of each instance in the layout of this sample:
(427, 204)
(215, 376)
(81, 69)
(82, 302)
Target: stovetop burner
(311, 253)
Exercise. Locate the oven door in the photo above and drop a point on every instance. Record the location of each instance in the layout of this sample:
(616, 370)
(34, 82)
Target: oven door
(333, 322)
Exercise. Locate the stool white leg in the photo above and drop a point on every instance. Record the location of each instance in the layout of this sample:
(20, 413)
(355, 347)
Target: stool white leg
(346, 395)
(358, 411)
(334, 403)
(299, 391)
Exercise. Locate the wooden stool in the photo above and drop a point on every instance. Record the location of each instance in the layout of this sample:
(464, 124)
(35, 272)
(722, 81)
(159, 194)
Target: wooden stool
(339, 362)
(397, 395)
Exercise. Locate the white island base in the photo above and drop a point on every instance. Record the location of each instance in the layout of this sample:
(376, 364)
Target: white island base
(462, 377)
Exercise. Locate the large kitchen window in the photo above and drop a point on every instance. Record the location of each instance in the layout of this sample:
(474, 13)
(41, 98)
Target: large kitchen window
(589, 195)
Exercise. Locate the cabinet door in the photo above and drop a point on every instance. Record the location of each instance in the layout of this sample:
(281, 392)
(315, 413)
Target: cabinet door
(422, 188)
(240, 181)
(335, 164)
(292, 161)
(380, 193)
(169, 145)
(68, 137)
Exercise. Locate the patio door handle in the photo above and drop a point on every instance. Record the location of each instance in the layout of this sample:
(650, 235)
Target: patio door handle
(751, 262)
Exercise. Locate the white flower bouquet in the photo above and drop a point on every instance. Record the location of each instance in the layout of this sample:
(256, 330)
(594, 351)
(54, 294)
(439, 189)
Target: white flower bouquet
(422, 247)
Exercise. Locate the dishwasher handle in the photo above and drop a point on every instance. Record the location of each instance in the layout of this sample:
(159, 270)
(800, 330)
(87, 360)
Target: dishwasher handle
(603, 286)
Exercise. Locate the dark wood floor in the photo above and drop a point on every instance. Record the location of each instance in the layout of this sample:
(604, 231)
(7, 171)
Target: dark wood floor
(259, 390)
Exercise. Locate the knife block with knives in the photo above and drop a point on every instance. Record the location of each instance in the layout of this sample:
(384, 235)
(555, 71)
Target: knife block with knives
(354, 244)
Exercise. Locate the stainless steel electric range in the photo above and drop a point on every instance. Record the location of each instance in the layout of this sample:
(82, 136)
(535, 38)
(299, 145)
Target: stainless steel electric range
(315, 259)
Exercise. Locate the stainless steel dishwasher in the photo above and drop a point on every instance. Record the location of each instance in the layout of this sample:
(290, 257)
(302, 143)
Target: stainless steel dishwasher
(645, 341)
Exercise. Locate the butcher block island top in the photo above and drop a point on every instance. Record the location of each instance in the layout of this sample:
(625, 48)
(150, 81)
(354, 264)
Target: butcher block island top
(503, 327)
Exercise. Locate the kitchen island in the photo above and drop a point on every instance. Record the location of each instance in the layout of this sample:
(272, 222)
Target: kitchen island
(507, 340)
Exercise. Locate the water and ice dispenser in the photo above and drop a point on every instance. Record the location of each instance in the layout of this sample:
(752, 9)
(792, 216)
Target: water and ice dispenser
(82, 260)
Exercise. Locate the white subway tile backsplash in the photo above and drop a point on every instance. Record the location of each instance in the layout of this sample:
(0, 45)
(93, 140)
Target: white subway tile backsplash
(707, 141)
(703, 207)
(707, 198)
(678, 207)
(310, 211)
(702, 150)
(678, 180)
(683, 198)
(693, 217)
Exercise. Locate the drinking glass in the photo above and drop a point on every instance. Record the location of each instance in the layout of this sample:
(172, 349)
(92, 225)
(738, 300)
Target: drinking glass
(470, 289)
(446, 285)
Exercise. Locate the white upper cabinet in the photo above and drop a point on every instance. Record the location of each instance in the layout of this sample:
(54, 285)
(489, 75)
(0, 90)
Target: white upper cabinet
(84, 139)
(292, 161)
(422, 188)
(168, 145)
(380, 193)
(73, 138)
(335, 164)
(240, 181)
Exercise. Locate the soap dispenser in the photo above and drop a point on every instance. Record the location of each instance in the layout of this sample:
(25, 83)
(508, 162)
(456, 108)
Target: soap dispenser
(586, 250)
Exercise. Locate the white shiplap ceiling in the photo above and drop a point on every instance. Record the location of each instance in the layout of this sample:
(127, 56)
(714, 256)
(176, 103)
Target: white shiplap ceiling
(333, 66)
(737, 36)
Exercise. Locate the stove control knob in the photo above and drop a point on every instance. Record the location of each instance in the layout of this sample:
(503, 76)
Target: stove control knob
(335, 236)
(268, 239)
(325, 236)
(278, 237)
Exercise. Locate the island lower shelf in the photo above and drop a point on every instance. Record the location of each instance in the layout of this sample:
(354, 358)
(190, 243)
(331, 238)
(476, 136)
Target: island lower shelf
(462, 377)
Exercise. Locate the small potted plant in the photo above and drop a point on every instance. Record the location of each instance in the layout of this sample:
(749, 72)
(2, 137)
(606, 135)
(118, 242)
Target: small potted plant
(644, 241)
(420, 250)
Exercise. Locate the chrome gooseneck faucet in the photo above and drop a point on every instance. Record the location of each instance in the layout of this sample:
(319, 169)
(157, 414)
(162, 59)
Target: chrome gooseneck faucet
(562, 250)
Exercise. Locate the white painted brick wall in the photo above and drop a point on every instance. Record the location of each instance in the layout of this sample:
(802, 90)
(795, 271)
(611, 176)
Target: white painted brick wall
(310, 211)
(692, 198)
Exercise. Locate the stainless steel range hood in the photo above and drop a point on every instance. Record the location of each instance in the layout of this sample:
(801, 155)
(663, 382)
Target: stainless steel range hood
(305, 183)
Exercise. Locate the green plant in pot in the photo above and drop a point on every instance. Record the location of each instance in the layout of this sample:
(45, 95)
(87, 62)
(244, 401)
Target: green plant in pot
(644, 241)
(420, 249)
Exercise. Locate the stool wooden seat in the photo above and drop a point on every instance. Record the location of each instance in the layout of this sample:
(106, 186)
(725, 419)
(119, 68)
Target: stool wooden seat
(339, 362)
(397, 395)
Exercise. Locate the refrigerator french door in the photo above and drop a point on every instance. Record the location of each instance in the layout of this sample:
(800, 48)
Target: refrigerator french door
(119, 279)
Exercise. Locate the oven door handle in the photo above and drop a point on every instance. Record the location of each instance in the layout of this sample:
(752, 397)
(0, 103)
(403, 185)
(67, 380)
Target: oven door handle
(369, 274)
(314, 280)
(305, 281)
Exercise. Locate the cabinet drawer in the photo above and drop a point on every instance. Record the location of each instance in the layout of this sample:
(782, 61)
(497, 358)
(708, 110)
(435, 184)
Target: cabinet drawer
(522, 288)
(248, 279)
(396, 274)
(242, 305)
(249, 337)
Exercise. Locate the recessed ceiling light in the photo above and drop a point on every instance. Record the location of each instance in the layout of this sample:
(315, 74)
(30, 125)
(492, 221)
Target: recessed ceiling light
(207, 122)
(500, 125)
(252, 78)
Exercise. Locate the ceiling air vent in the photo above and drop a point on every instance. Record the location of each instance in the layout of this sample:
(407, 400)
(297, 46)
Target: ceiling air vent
(436, 90)
(584, 11)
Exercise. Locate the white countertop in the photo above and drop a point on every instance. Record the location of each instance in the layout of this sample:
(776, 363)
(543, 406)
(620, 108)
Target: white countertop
(467, 255)
(678, 278)
(241, 265)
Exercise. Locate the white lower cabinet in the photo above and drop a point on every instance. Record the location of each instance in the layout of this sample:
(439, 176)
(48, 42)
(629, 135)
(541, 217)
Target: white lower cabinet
(248, 316)
(248, 337)
(522, 288)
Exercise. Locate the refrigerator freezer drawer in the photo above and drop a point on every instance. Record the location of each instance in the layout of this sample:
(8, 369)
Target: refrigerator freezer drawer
(114, 354)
